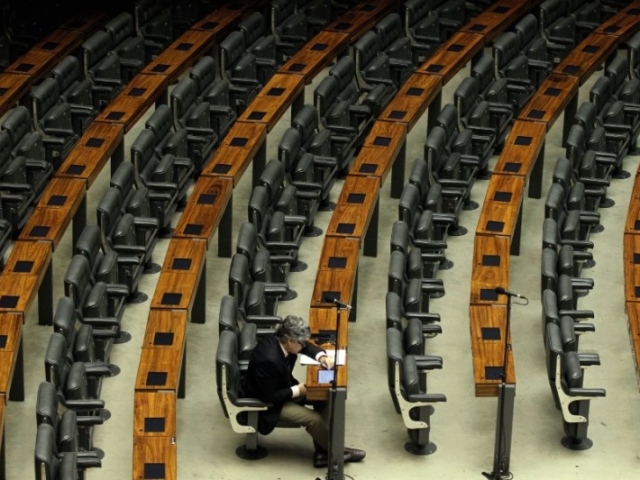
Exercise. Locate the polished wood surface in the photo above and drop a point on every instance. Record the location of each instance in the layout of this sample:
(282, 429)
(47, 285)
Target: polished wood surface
(91, 152)
(496, 18)
(501, 207)
(237, 150)
(361, 18)
(18, 292)
(87, 23)
(154, 407)
(624, 24)
(185, 255)
(521, 148)
(220, 22)
(412, 100)
(7, 367)
(588, 56)
(200, 219)
(490, 269)
(60, 42)
(380, 150)
(340, 282)
(633, 325)
(13, 87)
(632, 225)
(274, 99)
(451, 57)
(66, 193)
(164, 363)
(165, 329)
(181, 54)
(316, 54)
(631, 255)
(130, 104)
(550, 100)
(355, 216)
(488, 353)
(10, 332)
(28, 258)
(159, 453)
(339, 253)
(176, 290)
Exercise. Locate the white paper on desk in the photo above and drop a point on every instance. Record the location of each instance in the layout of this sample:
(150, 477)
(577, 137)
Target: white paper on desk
(342, 356)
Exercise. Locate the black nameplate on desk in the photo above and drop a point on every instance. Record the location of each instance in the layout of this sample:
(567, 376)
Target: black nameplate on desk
(493, 373)
(275, 91)
(337, 262)
(634, 11)
(636, 258)
(455, 47)
(636, 291)
(221, 168)
(488, 294)
(491, 260)
(343, 26)
(478, 27)
(552, 92)
(612, 29)
(382, 141)
(345, 228)
(397, 114)
(156, 378)
(238, 141)
(636, 225)
(154, 424)
(329, 296)
(512, 167)
(368, 168)
(50, 45)
(3, 91)
(207, 199)
(571, 69)
(297, 67)
(500, 9)
(256, 115)
(94, 142)
(434, 68)
(319, 47)
(522, 141)
(493, 226)
(24, 67)
(367, 7)
(137, 92)
(163, 338)
(181, 264)
(536, 114)
(184, 46)
(160, 68)
(193, 229)
(415, 91)
(171, 298)
(3, 341)
(39, 231)
(209, 25)
(23, 266)
(154, 471)
(9, 301)
(75, 169)
(502, 197)
(490, 333)
(590, 48)
(356, 198)
(57, 200)
(115, 115)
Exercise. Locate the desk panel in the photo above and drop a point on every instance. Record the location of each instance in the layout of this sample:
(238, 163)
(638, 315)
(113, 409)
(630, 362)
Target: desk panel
(622, 25)
(453, 55)
(13, 87)
(154, 414)
(502, 206)
(166, 329)
(316, 54)
(413, 99)
(155, 457)
(631, 255)
(550, 100)
(354, 208)
(361, 18)
(588, 56)
(490, 269)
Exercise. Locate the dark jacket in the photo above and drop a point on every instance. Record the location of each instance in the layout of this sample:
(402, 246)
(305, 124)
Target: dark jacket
(269, 378)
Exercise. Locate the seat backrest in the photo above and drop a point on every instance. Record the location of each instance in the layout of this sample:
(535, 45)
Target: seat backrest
(326, 94)
(365, 50)
(231, 50)
(64, 319)
(272, 177)
(414, 11)
(94, 49)
(258, 208)
(17, 124)
(145, 11)
(183, 99)
(289, 147)
(280, 11)
(618, 71)
(465, 97)
(527, 30)
(120, 28)
(389, 29)
(203, 73)
(239, 278)
(108, 213)
(55, 360)
(77, 280)
(77, 387)
(227, 369)
(124, 180)
(505, 48)
(160, 122)
(228, 317)
(247, 243)
(550, 11)
(142, 151)
(344, 71)
(306, 122)
(44, 97)
(409, 204)
(252, 27)
(47, 462)
(484, 72)
(67, 72)
(5, 150)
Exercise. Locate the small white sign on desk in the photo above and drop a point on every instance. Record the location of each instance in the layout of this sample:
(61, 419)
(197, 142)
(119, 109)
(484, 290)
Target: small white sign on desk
(342, 356)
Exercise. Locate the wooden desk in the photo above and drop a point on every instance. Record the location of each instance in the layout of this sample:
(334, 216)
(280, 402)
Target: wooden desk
(316, 54)
(498, 17)
(245, 142)
(632, 224)
(361, 18)
(11, 357)
(502, 209)
(63, 199)
(220, 22)
(556, 94)
(154, 414)
(181, 54)
(155, 457)
(490, 269)
(280, 92)
(453, 55)
(183, 280)
(384, 149)
(99, 142)
(356, 212)
(523, 154)
(136, 98)
(160, 369)
(623, 24)
(585, 59)
(86, 23)
(488, 328)
(633, 324)
(210, 205)
(166, 329)
(416, 94)
(13, 87)
(631, 256)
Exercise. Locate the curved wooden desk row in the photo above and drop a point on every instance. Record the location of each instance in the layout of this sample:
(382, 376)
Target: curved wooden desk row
(521, 161)
(631, 257)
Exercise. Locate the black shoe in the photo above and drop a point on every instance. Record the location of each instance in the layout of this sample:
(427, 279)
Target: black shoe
(354, 454)
(320, 459)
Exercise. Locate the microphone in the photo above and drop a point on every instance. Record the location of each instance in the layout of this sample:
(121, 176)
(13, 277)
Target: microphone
(508, 293)
(334, 300)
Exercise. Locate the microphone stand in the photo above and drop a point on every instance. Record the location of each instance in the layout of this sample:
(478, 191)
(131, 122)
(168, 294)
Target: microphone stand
(502, 448)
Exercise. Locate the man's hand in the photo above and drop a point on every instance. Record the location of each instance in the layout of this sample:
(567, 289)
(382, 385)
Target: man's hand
(303, 389)
(326, 361)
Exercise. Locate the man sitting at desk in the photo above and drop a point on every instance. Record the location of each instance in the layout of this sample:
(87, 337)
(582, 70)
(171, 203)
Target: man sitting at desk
(270, 379)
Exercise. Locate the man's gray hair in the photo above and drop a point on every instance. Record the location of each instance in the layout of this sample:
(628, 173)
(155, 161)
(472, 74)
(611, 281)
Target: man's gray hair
(293, 327)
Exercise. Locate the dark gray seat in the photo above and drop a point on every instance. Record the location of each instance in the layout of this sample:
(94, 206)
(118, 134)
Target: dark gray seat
(240, 70)
(16, 194)
(246, 334)
(513, 65)
(558, 28)
(422, 27)
(50, 464)
(261, 44)
(102, 69)
(534, 46)
(76, 91)
(289, 27)
(127, 44)
(153, 22)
